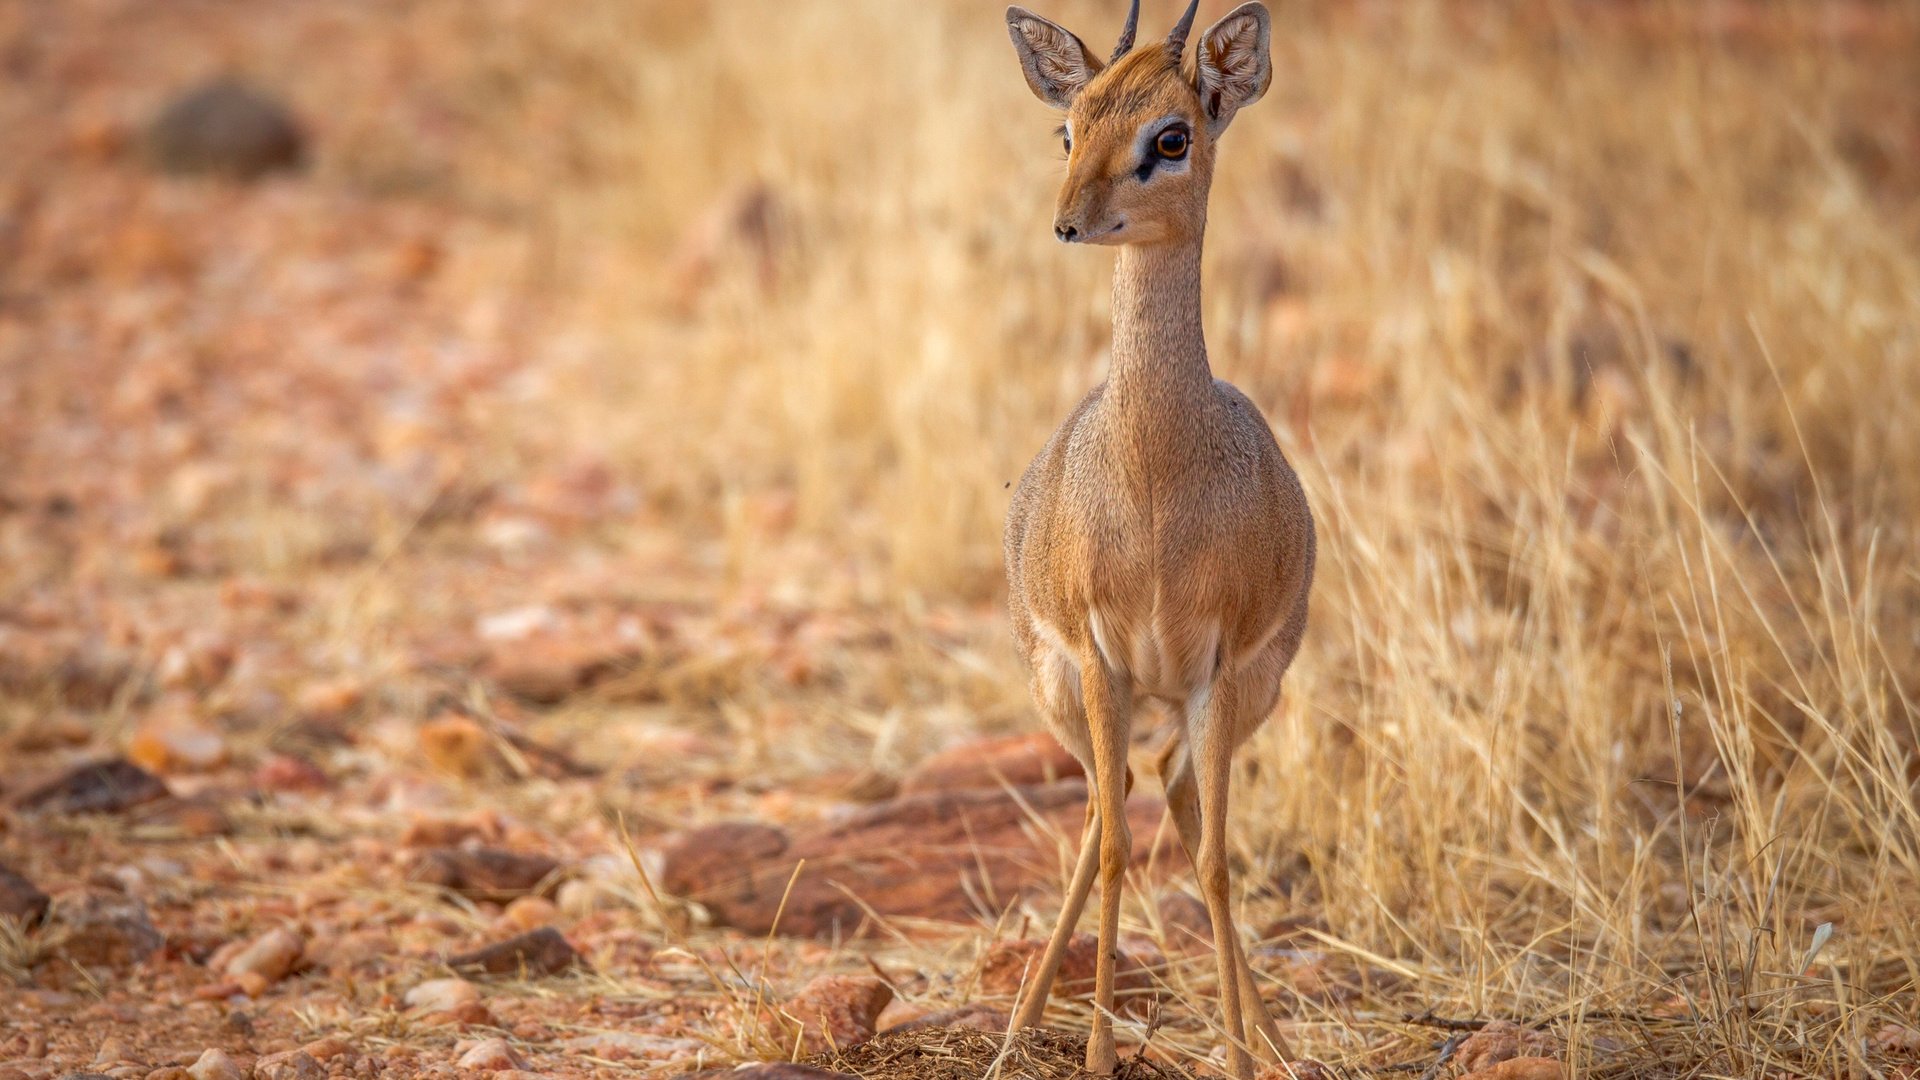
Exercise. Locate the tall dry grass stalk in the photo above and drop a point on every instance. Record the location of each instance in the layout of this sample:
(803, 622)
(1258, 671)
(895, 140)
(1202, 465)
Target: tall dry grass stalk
(1592, 333)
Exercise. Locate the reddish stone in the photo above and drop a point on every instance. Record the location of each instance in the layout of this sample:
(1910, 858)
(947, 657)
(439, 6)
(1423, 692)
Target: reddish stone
(1018, 760)
(21, 899)
(102, 787)
(538, 952)
(930, 856)
(484, 873)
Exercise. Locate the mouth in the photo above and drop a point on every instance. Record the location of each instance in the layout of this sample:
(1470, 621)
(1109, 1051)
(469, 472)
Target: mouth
(1105, 235)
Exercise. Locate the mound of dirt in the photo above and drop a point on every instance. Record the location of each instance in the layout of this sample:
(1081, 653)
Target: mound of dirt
(954, 1053)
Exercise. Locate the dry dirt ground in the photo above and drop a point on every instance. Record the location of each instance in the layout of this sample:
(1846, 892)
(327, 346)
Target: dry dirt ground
(354, 724)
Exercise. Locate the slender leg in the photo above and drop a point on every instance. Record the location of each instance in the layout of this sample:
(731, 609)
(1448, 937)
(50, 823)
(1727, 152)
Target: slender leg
(1183, 801)
(1109, 713)
(1035, 1002)
(1210, 741)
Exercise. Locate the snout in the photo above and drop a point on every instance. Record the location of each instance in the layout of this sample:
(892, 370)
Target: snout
(1082, 215)
(1087, 229)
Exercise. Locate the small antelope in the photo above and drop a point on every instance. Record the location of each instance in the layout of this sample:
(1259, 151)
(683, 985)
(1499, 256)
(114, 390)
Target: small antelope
(1159, 547)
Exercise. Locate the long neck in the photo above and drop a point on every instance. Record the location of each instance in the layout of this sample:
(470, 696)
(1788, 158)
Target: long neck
(1158, 349)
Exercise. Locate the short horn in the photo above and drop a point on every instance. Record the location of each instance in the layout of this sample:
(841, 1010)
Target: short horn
(1126, 35)
(1177, 41)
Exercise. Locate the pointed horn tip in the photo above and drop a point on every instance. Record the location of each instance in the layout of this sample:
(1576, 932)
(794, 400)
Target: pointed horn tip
(1177, 40)
(1126, 35)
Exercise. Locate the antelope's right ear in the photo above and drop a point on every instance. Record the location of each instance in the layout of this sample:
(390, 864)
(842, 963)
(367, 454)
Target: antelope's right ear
(1058, 66)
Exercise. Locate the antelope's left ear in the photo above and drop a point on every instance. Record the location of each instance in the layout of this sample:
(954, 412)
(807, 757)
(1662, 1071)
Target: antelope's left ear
(1232, 66)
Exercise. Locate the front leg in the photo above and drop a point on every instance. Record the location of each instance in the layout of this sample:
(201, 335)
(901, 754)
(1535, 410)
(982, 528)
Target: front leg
(1109, 704)
(1035, 1003)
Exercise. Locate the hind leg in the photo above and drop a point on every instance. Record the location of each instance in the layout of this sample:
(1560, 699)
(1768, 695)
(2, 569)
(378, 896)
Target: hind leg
(1183, 802)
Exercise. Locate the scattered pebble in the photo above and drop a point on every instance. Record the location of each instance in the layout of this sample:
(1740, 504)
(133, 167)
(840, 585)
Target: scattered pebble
(1501, 1040)
(629, 1046)
(538, 952)
(1521, 1068)
(105, 929)
(214, 1064)
(21, 899)
(269, 958)
(483, 873)
(164, 748)
(441, 995)
(101, 787)
(288, 1065)
(491, 1055)
(225, 127)
(835, 1012)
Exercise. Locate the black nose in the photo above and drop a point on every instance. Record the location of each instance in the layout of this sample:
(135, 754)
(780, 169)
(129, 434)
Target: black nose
(1065, 232)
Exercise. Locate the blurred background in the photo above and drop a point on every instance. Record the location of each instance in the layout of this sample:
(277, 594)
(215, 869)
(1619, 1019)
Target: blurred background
(647, 378)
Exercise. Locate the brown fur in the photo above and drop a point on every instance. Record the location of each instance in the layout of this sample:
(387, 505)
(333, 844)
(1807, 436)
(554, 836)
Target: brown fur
(1159, 547)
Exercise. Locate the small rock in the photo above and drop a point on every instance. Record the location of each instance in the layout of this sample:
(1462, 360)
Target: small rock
(580, 897)
(628, 1046)
(225, 127)
(288, 1065)
(105, 929)
(835, 1012)
(459, 745)
(469, 1014)
(479, 828)
(1184, 918)
(328, 1047)
(169, 1072)
(546, 670)
(441, 995)
(988, 763)
(214, 1064)
(1501, 1040)
(194, 818)
(21, 899)
(530, 913)
(1889, 1039)
(1009, 964)
(329, 701)
(166, 748)
(102, 787)
(1521, 1068)
(977, 1016)
(291, 774)
(491, 1055)
(270, 956)
(538, 952)
(113, 1051)
(484, 873)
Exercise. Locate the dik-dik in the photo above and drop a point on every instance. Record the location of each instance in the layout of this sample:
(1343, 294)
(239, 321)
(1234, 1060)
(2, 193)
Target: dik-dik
(1159, 547)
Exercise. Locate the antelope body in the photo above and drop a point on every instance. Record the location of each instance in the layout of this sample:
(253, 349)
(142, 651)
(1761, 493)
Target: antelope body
(1159, 547)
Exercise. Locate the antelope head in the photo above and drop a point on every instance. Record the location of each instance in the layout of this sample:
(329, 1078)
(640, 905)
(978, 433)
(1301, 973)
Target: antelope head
(1141, 127)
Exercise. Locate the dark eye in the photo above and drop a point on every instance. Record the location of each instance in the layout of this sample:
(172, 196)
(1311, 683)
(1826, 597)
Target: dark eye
(1066, 144)
(1171, 144)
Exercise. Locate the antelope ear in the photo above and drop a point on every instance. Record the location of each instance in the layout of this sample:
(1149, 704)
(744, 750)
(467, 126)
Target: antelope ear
(1232, 65)
(1057, 65)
